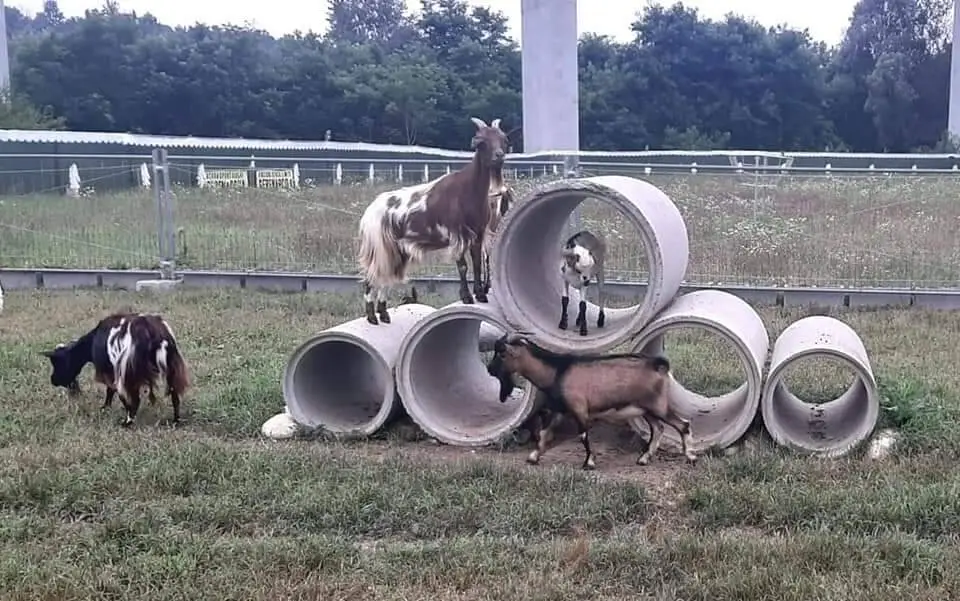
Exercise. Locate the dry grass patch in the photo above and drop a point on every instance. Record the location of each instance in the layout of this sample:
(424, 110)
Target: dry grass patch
(788, 230)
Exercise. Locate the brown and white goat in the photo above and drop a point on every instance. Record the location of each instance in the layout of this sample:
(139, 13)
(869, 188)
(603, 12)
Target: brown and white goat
(613, 388)
(582, 260)
(128, 351)
(451, 212)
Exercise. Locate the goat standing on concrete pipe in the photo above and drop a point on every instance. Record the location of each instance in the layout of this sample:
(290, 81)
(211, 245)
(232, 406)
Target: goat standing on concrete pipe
(451, 212)
(613, 388)
(582, 260)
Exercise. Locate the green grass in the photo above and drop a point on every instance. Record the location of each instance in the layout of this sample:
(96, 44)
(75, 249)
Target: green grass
(785, 230)
(89, 510)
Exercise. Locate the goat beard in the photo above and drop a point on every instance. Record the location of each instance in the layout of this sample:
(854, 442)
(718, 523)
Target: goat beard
(507, 385)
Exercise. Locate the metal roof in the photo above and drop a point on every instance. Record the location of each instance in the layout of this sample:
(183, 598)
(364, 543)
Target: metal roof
(245, 144)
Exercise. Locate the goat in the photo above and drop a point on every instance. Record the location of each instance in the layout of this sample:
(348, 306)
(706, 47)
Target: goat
(611, 387)
(581, 260)
(128, 351)
(450, 213)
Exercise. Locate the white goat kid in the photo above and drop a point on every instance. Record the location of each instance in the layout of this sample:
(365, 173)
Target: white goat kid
(582, 261)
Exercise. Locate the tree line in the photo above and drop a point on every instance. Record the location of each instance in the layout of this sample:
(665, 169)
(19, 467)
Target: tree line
(381, 74)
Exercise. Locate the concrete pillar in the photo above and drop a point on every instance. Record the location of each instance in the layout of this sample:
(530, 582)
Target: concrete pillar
(551, 94)
(4, 57)
(953, 121)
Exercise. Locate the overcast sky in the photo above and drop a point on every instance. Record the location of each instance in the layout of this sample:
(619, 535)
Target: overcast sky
(826, 19)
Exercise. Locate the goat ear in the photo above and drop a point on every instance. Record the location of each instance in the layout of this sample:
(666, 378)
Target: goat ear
(495, 124)
(480, 123)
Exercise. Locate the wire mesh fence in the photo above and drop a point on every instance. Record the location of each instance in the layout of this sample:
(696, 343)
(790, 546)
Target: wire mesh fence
(744, 228)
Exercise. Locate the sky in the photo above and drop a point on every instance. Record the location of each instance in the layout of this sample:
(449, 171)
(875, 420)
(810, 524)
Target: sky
(825, 19)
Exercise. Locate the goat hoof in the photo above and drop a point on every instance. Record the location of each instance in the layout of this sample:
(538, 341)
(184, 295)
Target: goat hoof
(692, 459)
(372, 320)
(589, 467)
(583, 331)
(563, 324)
(384, 317)
(482, 297)
(466, 299)
(601, 320)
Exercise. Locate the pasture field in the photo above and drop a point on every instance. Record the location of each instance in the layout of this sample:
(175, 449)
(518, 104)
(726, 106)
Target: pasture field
(210, 511)
(773, 230)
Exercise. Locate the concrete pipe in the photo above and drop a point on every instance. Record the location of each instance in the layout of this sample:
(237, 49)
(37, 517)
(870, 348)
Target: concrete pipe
(829, 429)
(443, 382)
(341, 380)
(715, 422)
(526, 255)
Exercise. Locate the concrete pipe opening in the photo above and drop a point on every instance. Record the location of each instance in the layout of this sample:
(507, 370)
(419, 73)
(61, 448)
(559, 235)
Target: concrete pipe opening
(526, 254)
(837, 426)
(443, 381)
(341, 380)
(717, 420)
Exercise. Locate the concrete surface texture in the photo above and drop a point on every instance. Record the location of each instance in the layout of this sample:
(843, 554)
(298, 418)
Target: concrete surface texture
(342, 378)
(829, 429)
(443, 382)
(526, 252)
(715, 422)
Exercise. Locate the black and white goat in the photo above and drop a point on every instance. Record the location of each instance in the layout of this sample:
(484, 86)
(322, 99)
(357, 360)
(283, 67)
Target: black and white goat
(582, 261)
(612, 388)
(128, 351)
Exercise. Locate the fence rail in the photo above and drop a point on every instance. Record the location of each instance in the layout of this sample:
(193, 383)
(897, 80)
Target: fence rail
(773, 224)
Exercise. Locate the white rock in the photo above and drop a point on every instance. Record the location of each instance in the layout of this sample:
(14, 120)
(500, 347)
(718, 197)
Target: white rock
(882, 444)
(280, 427)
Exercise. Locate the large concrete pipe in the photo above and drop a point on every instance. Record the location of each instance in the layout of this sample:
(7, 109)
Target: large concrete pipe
(830, 429)
(526, 254)
(716, 422)
(342, 378)
(444, 385)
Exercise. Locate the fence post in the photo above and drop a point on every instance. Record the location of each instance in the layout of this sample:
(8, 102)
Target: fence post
(166, 234)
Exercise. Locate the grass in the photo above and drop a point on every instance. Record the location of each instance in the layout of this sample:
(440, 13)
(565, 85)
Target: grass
(209, 511)
(777, 230)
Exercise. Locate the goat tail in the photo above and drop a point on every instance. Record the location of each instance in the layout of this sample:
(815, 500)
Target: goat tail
(178, 372)
(381, 260)
(660, 365)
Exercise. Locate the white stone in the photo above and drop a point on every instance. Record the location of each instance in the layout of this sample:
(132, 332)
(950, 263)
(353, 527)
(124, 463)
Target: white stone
(280, 427)
(882, 444)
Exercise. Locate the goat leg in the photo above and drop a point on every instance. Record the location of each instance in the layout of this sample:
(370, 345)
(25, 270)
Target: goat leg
(588, 462)
(545, 426)
(476, 257)
(682, 427)
(582, 317)
(410, 298)
(108, 399)
(368, 303)
(175, 401)
(465, 296)
(382, 305)
(564, 304)
(601, 317)
(656, 431)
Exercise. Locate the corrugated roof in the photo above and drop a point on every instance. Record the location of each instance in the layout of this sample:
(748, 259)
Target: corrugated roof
(245, 144)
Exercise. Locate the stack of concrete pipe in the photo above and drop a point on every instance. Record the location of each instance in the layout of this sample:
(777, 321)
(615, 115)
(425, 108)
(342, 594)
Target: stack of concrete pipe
(351, 379)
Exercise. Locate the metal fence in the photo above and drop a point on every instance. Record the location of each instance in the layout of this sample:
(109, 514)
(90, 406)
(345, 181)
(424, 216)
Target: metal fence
(755, 224)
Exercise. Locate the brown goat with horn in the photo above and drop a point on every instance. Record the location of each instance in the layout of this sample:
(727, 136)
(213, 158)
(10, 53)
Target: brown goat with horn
(609, 387)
